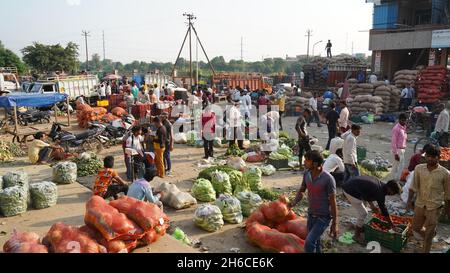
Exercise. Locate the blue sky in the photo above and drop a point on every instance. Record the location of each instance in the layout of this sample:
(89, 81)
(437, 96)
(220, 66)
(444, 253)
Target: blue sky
(153, 29)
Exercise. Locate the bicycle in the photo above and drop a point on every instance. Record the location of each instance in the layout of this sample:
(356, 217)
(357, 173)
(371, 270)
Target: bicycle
(433, 139)
(413, 121)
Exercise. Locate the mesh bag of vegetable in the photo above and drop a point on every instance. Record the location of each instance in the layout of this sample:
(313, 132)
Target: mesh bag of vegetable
(13, 201)
(65, 173)
(230, 208)
(43, 195)
(221, 183)
(203, 190)
(24, 242)
(13, 179)
(268, 170)
(253, 175)
(209, 218)
(238, 183)
(249, 202)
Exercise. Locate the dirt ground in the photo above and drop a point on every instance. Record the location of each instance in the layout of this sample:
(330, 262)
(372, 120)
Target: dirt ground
(375, 138)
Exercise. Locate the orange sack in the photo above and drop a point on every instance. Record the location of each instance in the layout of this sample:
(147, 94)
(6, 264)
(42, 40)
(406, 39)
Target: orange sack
(114, 246)
(24, 242)
(62, 238)
(298, 227)
(273, 240)
(112, 224)
(147, 215)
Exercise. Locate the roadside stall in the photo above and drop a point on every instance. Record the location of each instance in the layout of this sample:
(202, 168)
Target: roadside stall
(35, 101)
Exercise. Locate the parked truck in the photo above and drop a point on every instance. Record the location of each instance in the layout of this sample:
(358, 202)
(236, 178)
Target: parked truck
(74, 86)
(162, 80)
(255, 81)
(9, 80)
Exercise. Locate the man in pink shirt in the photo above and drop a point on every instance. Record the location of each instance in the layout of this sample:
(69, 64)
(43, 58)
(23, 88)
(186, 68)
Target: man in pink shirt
(398, 147)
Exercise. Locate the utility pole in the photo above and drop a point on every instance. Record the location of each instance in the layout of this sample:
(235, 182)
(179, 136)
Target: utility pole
(104, 48)
(190, 17)
(86, 35)
(308, 34)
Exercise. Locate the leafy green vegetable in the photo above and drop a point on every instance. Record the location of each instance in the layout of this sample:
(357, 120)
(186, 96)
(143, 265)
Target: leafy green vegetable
(234, 151)
(13, 201)
(65, 173)
(238, 182)
(249, 202)
(203, 190)
(221, 183)
(268, 170)
(44, 195)
(285, 150)
(230, 208)
(206, 173)
(253, 175)
(209, 218)
(89, 165)
(267, 194)
(278, 156)
(283, 134)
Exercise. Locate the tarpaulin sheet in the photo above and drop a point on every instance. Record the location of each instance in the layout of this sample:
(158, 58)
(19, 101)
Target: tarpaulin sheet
(32, 100)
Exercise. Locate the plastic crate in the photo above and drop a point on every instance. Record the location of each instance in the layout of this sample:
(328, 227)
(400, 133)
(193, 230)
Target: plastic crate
(279, 164)
(393, 241)
(102, 103)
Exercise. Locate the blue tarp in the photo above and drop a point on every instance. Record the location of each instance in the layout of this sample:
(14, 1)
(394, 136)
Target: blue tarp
(31, 100)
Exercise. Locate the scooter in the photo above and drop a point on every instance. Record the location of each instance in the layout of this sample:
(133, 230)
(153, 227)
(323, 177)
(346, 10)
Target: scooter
(90, 140)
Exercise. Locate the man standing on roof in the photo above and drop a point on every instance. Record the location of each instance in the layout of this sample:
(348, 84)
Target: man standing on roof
(328, 48)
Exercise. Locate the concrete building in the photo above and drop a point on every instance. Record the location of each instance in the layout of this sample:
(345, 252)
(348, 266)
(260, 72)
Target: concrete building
(409, 33)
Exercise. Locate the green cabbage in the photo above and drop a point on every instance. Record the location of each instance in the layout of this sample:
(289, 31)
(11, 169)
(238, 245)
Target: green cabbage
(268, 170)
(13, 201)
(203, 190)
(253, 175)
(249, 202)
(221, 183)
(209, 218)
(44, 195)
(230, 208)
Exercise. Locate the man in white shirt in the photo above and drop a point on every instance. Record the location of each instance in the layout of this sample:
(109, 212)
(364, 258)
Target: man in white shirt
(135, 142)
(373, 79)
(442, 125)
(234, 123)
(406, 97)
(350, 152)
(102, 91)
(157, 92)
(246, 104)
(108, 90)
(343, 117)
(314, 111)
(235, 94)
(335, 166)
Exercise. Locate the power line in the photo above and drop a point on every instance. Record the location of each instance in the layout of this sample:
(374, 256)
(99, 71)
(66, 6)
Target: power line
(86, 35)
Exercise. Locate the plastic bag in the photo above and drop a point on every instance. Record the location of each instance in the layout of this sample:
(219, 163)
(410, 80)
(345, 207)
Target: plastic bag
(268, 170)
(179, 235)
(209, 218)
(221, 183)
(253, 175)
(238, 183)
(147, 215)
(24, 242)
(230, 208)
(43, 195)
(13, 201)
(13, 179)
(273, 240)
(298, 227)
(249, 202)
(203, 190)
(110, 222)
(62, 238)
(174, 198)
(65, 173)
(180, 138)
(236, 163)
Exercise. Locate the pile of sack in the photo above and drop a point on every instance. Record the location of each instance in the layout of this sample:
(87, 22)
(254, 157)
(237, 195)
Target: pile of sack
(366, 103)
(383, 91)
(17, 194)
(361, 89)
(432, 84)
(395, 98)
(296, 103)
(404, 77)
(86, 114)
(274, 227)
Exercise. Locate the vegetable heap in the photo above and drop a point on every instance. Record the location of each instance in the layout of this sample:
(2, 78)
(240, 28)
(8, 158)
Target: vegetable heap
(88, 165)
(234, 151)
(9, 150)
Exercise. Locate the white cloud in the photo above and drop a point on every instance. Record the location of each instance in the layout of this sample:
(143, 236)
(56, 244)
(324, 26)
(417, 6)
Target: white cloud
(73, 2)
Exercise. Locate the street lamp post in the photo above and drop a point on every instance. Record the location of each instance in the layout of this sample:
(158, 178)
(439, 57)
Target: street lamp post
(315, 46)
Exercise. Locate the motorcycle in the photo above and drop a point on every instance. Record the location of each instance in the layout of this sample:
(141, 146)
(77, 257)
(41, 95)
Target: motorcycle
(33, 116)
(114, 132)
(90, 140)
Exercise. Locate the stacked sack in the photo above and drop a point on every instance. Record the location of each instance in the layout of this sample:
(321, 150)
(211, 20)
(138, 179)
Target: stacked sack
(86, 114)
(296, 103)
(383, 91)
(366, 103)
(361, 89)
(404, 77)
(352, 83)
(432, 84)
(395, 98)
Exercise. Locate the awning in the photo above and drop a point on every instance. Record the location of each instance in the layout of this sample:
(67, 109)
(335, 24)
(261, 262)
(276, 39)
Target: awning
(32, 100)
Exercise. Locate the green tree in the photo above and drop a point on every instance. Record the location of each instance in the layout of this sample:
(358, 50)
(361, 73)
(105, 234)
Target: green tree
(50, 58)
(10, 59)
(95, 64)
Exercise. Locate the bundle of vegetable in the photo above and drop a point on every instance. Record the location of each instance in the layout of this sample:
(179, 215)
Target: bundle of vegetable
(24, 242)
(234, 151)
(174, 198)
(268, 194)
(207, 173)
(278, 156)
(88, 164)
(221, 182)
(249, 202)
(13, 201)
(268, 170)
(290, 142)
(18, 178)
(285, 150)
(209, 218)
(230, 208)
(238, 182)
(65, 173)
(203, 190)
(43, 195)
(283, 134)
(9, 150)
(236, 163)
(192, 137)
(253, 175)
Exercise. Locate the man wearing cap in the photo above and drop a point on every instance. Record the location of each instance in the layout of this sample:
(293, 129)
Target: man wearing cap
(442, 125)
